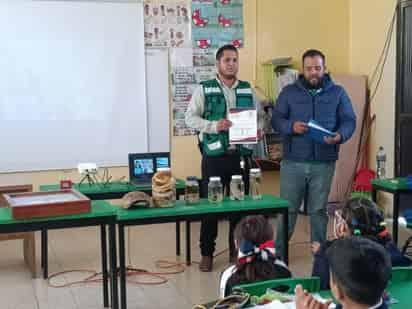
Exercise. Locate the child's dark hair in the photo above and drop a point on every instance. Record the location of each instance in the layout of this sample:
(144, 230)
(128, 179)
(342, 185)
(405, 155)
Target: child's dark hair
(364, 218)
(360, 268)
(257, 230)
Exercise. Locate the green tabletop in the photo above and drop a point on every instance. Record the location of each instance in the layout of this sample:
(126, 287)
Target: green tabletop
(392, 183)
(112, 187)
(98, 209)
(204, 207)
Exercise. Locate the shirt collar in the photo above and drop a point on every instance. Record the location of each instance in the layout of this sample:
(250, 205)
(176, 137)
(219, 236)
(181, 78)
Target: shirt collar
(223, 85)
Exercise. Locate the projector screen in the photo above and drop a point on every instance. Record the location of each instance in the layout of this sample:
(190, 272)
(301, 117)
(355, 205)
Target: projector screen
(72, 83)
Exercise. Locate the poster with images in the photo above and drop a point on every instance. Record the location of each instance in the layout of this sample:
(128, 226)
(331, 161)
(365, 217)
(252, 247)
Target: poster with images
(204, 57)
(183, 75)
(167, 24)
(183, 85)
(189, 67)
(204, 61)
(183, 92)
(204, 73)
(216, 23)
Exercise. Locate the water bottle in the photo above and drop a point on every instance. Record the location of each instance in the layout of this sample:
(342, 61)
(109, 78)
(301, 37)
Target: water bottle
(380, 163)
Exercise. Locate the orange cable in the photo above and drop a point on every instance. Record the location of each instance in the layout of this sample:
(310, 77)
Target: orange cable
(131, 271)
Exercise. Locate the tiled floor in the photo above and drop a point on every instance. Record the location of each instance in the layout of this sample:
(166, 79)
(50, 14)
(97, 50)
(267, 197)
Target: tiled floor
(79, 249)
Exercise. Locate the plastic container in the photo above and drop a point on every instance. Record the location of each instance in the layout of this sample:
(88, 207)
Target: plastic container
(237, 188)
(215, 190)
(192, 191)
(255, 180)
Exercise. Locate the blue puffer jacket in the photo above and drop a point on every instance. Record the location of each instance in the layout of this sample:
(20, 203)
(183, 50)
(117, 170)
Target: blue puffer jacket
(331, 108)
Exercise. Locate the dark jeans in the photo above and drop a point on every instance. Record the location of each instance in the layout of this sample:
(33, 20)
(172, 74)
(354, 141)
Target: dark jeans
(223, 166)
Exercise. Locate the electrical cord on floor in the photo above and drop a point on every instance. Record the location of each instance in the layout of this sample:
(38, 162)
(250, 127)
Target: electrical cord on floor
(179, 267)
(93, 277)
(159, 277)
(153, 277)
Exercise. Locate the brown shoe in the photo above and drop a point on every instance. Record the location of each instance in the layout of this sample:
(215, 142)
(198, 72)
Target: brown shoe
(206, 263)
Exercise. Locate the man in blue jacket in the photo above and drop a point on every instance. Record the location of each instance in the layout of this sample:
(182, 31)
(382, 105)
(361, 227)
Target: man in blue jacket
(309, 165)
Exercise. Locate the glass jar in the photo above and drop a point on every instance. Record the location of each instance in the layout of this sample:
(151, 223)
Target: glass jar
(192, 191)
(255, 179)
(237, 188)
(163, 188)
(215, 190)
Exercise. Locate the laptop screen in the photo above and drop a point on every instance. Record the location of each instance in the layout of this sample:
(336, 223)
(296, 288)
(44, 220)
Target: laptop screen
(142, 166)
(162, 162)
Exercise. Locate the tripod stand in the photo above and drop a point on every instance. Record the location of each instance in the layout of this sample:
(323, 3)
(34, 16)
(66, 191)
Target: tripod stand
(91, 179)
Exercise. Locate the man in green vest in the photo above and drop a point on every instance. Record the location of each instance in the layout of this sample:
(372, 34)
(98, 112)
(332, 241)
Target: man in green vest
(207, 113)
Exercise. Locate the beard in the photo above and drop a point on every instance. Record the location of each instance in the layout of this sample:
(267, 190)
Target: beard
(313, 82)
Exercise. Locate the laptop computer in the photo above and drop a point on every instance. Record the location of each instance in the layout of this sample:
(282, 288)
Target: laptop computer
(142, 166)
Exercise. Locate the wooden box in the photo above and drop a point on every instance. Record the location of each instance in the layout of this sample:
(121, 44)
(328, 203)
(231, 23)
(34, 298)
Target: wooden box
(13, 189)
(47, 204)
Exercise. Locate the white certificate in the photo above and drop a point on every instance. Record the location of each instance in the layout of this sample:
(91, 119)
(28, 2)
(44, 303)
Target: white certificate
(244, 126)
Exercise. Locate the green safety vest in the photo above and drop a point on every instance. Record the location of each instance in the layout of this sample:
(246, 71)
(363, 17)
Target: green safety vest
(215, 109)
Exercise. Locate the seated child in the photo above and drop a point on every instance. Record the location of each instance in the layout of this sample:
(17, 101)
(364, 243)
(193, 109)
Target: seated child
(360, 271)
(360, 217)
(257, 259)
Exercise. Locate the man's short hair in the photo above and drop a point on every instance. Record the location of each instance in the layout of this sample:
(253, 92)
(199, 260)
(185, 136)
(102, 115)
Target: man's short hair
(361, 268)
(313, 53)
(221, 50)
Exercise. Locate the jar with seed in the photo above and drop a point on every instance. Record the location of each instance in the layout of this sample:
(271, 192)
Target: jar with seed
(237, 188)
(255, 180)
(215, 190)
(192, 191)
